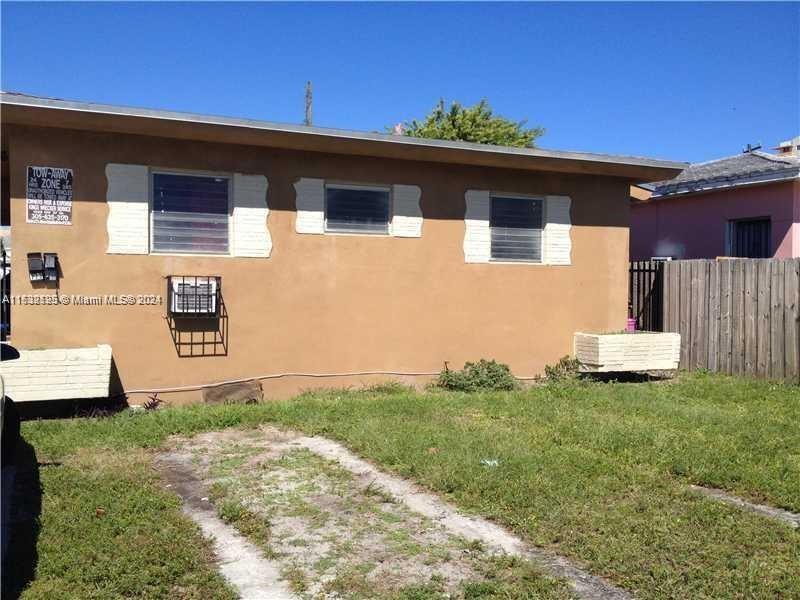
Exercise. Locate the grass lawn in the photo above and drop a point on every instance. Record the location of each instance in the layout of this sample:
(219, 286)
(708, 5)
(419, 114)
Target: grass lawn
(597, 472)
(109, 530)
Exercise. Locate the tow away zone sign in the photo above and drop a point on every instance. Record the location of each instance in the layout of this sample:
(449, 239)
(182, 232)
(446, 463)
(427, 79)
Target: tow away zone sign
(49, 195)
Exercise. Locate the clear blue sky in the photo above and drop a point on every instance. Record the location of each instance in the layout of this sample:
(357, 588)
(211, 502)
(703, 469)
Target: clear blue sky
(681, 81)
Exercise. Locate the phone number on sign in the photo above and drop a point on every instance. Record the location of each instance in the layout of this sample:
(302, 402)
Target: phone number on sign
(81, 300)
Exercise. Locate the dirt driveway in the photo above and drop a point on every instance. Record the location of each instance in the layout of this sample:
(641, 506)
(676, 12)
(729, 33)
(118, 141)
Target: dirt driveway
(328, 525)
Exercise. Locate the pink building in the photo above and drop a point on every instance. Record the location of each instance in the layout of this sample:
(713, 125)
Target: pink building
(746, 205)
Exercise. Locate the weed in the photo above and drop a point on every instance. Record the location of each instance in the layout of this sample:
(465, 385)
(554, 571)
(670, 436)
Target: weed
(296, 578)
(252, 525)
(484, 375)
(565, 369)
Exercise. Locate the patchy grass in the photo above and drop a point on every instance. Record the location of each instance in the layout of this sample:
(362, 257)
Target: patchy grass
(333, 533)
(597, 472)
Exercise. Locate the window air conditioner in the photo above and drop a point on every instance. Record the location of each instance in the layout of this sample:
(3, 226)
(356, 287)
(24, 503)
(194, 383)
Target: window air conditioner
(193, 296)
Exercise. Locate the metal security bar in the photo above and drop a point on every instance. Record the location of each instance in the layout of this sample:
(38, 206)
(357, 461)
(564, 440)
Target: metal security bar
(194, 296)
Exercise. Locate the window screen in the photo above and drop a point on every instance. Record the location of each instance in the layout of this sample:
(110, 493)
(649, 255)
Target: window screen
(516, 226)
(190, 214)
(356, 209)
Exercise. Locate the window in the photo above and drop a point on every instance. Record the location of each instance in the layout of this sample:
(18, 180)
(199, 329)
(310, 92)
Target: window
(193, 296)
(190, 214)
(356, 209)
(750, 238)
(516, 228)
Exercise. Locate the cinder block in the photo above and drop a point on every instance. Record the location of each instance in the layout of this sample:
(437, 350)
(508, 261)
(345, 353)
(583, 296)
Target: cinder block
(645, 351)
(58, 373)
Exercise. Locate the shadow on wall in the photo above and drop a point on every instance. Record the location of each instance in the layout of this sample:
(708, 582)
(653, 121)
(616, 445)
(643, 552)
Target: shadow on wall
(22, 507)
(200, 336)
(443, 199)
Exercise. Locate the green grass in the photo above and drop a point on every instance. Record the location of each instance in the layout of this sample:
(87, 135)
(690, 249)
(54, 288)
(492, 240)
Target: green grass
(596, 472)
(109, 530)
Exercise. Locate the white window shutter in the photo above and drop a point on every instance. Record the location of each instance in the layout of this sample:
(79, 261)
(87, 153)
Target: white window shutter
(407, 214)
(128, 222)
(310, 205)
(557, 243)
(250, 212)
(477, 235)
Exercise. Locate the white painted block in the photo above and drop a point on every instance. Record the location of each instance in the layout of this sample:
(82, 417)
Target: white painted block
(251, 235)
(58, 374)
(310, 205)
(557, 241)
(407, 214)
(477, 233)
(128, 222)
(642, 351)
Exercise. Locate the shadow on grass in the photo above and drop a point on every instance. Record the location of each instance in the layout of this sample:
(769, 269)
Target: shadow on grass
(22, 506)
(630, 377)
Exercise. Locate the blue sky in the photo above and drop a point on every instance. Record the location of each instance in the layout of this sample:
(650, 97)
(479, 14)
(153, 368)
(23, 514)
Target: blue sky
(680, 81)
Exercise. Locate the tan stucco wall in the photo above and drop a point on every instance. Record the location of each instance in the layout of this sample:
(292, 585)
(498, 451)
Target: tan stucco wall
(320, 304)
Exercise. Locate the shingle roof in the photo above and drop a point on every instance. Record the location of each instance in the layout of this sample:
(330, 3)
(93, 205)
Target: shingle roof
(745, 168)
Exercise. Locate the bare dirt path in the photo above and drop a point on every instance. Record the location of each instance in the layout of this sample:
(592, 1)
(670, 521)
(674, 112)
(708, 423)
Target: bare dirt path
(583, 584)
(337, 525)
(241, 563)
(790, 518)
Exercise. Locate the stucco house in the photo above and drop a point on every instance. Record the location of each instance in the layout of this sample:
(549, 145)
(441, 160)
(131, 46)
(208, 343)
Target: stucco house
(746, 205)
(205, 249)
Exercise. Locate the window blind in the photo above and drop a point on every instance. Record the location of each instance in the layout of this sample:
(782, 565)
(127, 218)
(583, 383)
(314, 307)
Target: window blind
(356, 209)
(516, 228)
(190, 214)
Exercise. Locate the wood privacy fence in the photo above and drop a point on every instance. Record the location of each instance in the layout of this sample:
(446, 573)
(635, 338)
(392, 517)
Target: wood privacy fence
(738, 316)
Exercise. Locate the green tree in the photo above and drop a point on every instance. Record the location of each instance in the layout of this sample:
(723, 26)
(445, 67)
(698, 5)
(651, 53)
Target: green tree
(476, 123)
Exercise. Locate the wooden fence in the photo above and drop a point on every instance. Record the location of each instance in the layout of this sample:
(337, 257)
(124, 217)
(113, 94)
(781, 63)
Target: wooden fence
(739, 316)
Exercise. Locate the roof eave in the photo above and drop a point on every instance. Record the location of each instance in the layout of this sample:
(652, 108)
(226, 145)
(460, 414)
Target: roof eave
(43, 112)
(700, 188)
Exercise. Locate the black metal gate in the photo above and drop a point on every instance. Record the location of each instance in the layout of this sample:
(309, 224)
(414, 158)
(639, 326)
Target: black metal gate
(646, 294)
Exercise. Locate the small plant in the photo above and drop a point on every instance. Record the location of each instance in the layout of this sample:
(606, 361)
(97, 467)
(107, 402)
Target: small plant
(152, 402)
(566, 368)
(484, 375)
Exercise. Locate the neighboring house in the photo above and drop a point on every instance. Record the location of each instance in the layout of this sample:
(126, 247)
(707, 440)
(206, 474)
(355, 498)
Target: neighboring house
(746, 206)
(251, 248)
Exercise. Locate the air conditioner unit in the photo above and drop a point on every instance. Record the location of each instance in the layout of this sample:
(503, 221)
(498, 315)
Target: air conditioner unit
(193, 296)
